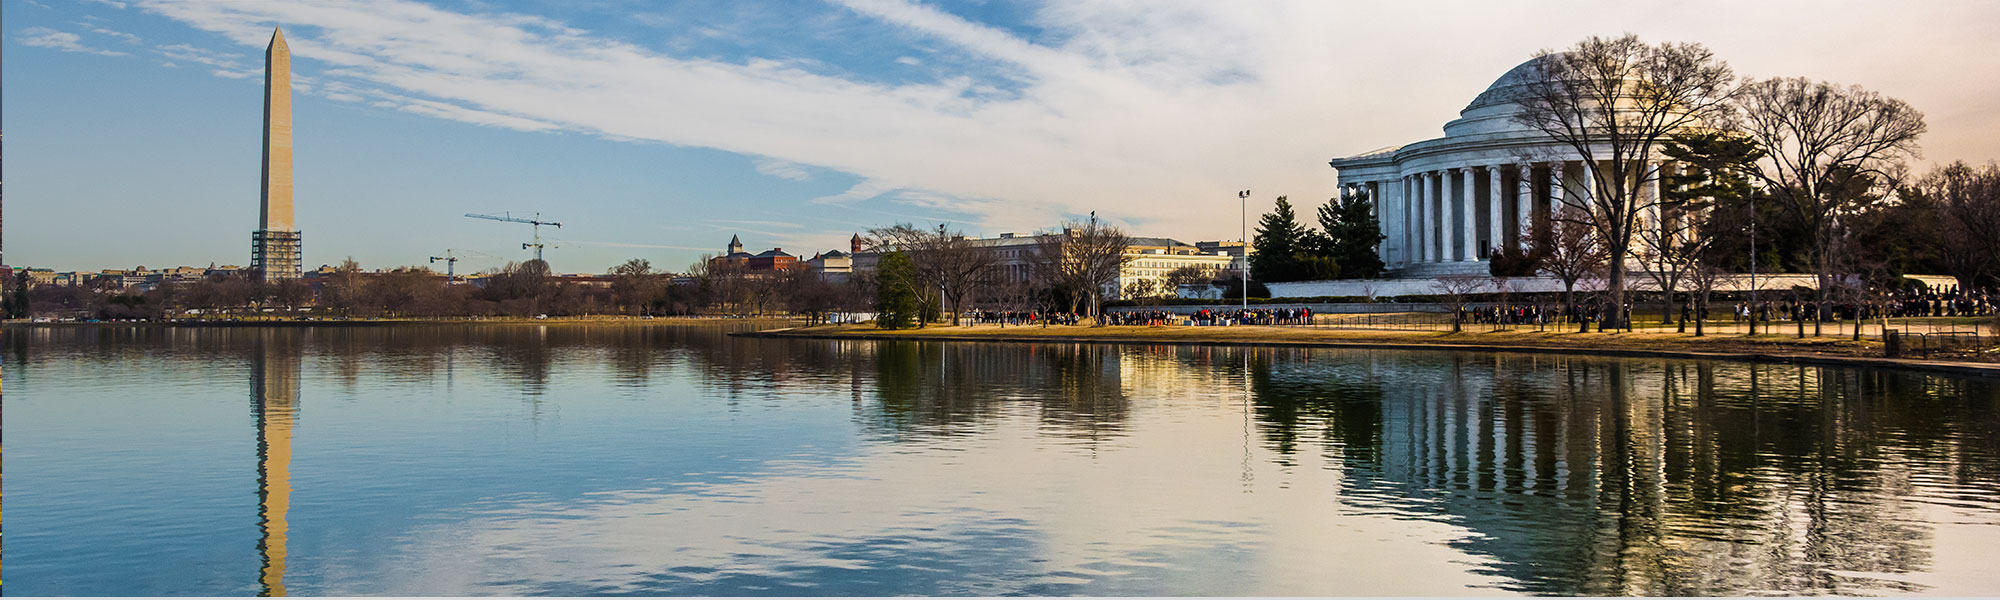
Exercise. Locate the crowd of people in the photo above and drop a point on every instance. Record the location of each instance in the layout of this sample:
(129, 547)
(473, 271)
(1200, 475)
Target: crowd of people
(1210, 317)
(1940, 302)
(1022, 317)
(1937, 302)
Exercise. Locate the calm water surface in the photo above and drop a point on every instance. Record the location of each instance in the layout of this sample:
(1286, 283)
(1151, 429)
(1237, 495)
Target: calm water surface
(675, 460)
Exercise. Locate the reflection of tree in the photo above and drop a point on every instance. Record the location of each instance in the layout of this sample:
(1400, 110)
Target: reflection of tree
(1338, 394)
(952, 388)
(1617, 477)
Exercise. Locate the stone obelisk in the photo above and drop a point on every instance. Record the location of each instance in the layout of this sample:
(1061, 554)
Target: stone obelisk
(275, 245)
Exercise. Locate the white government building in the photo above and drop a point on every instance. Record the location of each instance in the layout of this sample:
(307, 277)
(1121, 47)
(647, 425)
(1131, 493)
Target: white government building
(1445, 203)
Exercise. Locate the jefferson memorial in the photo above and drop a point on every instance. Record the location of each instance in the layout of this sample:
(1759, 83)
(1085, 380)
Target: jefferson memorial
(1446, 203)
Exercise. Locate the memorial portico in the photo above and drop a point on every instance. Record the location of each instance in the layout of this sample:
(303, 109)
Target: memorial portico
(1445, 204)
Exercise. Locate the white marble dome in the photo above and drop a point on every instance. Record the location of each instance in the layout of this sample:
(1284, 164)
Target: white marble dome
(1493, 110)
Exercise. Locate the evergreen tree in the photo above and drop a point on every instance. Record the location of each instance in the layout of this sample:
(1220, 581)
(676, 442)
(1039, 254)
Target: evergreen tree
(17, 305)
(1353, 233)
(1280, 239)
(7, 300)
(895, 292)
(1719, 176)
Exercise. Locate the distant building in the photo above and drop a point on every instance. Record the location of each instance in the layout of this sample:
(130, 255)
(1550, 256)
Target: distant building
(774, 259)
(831, 262)
(1235, 248)
(771, 260)
(40, 277)
(1147, 259)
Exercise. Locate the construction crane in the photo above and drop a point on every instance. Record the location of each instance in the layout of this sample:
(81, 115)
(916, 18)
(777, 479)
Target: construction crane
(537, 222)
(451, 261)
(450, 266)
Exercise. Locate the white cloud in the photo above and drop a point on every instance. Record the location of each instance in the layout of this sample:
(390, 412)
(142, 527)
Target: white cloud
(43, 37)
(129, 38)
(782, 169)
(865, 190)
(908, 60)
(1156, 111)
(474, 116)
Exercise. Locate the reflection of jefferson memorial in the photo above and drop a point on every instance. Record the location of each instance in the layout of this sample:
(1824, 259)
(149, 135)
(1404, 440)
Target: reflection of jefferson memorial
(1445, 203)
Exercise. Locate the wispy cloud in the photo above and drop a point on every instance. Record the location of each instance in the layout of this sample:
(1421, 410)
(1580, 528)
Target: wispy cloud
(129, 38)
(782, 169)
(225, 64)
(43, 37)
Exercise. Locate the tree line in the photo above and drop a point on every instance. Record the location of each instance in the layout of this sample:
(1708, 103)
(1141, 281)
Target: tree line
(924, 275)
(928, 275)
(518, 289)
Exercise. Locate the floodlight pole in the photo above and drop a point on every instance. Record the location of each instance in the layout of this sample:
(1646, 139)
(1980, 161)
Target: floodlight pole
(1243, 209)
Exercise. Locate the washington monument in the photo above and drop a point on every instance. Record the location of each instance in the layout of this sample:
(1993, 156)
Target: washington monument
(274, 247)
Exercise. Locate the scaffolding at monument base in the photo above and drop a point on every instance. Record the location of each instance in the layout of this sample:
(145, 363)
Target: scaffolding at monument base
(275, 254)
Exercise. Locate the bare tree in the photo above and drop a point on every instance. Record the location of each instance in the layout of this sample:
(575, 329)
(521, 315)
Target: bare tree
(634, 285)
(1188, 275)
(1703, 274)
(1830, 151)
(1081, 262)
(344, 291)
(946, 263)
(1614, 103)
(1966, 204)
(1145, 291)
(1456, 291)
(1008, 295)
(1670, 246)
(1573, 253)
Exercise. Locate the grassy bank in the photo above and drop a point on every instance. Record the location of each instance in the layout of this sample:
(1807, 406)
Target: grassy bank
(1779, 348)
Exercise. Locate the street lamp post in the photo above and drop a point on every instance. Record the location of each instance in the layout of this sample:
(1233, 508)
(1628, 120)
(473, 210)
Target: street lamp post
(1753, 269)
(1243, 209)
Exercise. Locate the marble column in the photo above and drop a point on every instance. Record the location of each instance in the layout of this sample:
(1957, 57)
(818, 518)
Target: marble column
(1426, 213)
(1375, 208)
(1587, 192)
(1469, 226)
(1524, 208)
(1558, 171)
(1496, 217)
(1407, 205)
(1654, 214)
(1447, 213)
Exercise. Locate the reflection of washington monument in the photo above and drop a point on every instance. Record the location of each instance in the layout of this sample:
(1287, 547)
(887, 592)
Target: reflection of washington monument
(274, 394)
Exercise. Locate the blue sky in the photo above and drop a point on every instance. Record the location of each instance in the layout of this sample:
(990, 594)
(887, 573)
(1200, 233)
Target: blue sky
(659, 129)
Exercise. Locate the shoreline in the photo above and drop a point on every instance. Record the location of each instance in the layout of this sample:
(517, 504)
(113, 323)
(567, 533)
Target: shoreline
(619, 321)
(1737, 349)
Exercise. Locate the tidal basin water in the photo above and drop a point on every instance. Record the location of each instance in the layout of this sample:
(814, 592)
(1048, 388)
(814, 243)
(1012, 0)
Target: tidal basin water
(574, 460)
